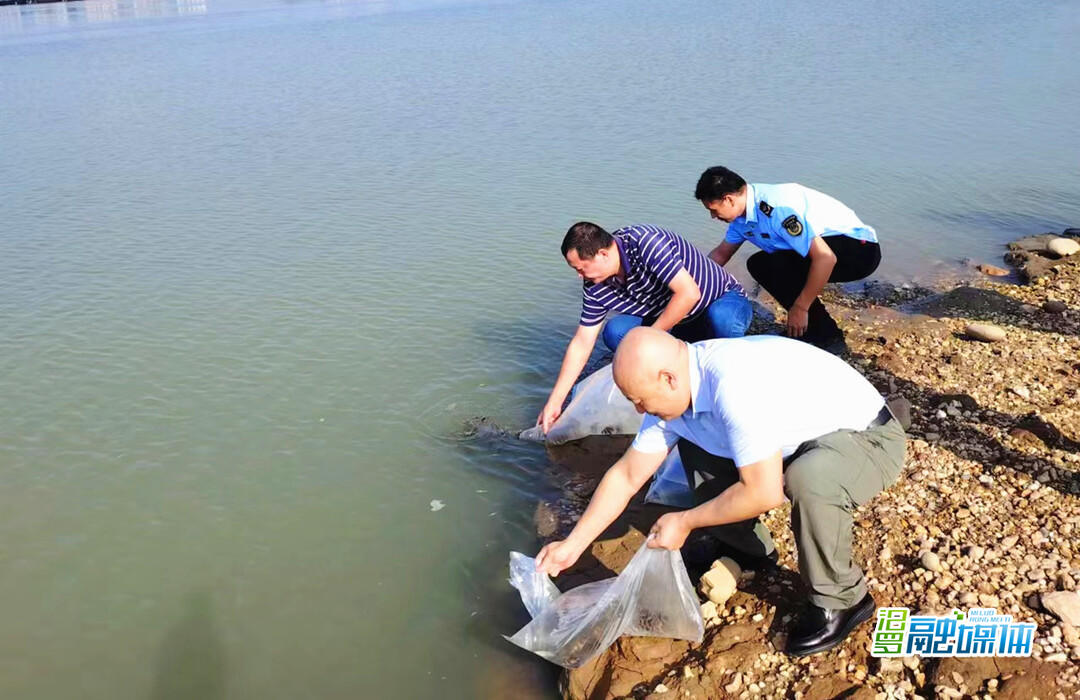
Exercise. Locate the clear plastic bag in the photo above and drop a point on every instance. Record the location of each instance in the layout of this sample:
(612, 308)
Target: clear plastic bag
(652, 597)
(598, 408)
(536, 587)
(669, 486)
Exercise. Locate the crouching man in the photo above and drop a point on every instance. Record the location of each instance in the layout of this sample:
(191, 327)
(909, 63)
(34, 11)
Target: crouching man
(767, 416)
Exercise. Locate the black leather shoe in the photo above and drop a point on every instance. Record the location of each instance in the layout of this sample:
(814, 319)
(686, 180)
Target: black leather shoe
(820, 629)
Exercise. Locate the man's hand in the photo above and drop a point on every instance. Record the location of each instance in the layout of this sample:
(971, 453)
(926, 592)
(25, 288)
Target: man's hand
(557, 557)
(550, 413)
(670, 531)
(797, 318)
(723, 252)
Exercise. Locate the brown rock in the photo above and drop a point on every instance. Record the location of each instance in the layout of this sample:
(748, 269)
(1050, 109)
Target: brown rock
(627, 663)
(986, 332)
(1065, 605)
(991, 270)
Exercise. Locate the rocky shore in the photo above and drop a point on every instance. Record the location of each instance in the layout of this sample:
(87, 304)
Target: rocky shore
(985, 514)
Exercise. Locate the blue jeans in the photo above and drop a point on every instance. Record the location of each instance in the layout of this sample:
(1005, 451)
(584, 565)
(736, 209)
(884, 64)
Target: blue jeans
(727, 317)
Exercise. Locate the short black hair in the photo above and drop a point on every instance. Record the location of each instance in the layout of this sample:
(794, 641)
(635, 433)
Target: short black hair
(716, 183)
(587, 239)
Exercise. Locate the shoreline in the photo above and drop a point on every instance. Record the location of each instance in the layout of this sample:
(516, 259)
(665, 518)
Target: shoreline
(990, 488)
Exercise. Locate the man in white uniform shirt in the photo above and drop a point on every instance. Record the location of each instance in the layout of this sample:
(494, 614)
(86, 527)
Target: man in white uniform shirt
(772, 417)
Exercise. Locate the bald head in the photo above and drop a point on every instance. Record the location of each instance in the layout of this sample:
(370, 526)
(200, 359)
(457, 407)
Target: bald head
(651, 368)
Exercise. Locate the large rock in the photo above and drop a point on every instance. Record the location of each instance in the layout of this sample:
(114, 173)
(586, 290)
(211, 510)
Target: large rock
(627, 663)
(1063, 247)
(970, 302)
(986, 332)
(1031, 256)
(719, 582)
(1064, 604)
(1032, 244)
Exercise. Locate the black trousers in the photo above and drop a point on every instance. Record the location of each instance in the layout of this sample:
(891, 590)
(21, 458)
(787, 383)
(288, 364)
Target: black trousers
(783, 275)
(748, 536)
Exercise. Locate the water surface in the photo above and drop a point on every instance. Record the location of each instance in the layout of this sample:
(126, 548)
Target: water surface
(259, 262)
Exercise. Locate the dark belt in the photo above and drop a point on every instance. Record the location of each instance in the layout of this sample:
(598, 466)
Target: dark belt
(883, 417)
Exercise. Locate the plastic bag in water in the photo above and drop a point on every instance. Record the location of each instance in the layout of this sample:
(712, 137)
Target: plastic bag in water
(669, 486)
(536, 587)
(533, 434)
(598, 408)
(652, 597)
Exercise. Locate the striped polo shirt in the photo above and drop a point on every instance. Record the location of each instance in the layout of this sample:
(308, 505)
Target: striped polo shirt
(650, 259)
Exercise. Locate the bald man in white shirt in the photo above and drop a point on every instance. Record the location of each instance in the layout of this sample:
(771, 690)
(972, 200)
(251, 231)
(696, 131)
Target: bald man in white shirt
(770, 417)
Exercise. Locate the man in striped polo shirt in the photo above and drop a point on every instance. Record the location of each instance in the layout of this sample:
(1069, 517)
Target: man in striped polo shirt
(643, 275)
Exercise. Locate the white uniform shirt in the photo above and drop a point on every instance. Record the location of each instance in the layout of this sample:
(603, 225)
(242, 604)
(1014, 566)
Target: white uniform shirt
(751, 397)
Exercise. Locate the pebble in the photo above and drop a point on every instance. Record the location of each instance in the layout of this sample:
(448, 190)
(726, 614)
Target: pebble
(1053, 306)
(1063, 247)
(1021, 391)
(985, 332)
(931, 561)
(660, 689)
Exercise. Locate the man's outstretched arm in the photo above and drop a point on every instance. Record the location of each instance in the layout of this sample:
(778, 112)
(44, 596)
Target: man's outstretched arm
(620, 483)
(723, 252)
(760, 488)
(577, 354)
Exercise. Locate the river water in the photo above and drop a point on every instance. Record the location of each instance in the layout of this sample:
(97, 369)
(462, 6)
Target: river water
(260, 262)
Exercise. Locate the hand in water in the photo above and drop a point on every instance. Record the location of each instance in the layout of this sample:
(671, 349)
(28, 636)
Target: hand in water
(549, 415)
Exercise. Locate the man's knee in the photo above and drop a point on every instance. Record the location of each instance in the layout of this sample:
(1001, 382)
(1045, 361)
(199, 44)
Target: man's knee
(730, 315)
(758, 266)
(616, 329)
